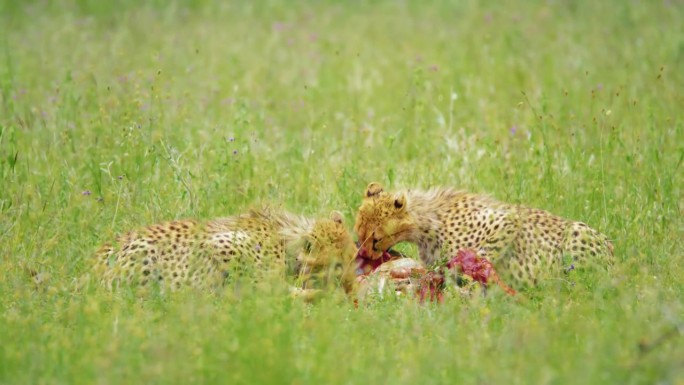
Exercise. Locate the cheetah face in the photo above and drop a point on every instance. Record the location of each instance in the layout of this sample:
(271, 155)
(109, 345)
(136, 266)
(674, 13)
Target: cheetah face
(382, 221)
(327, 255)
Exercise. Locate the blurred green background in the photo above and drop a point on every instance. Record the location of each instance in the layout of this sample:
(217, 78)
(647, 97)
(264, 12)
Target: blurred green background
(124, 113)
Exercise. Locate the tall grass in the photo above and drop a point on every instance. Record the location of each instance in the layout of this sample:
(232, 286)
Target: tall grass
(119, 114)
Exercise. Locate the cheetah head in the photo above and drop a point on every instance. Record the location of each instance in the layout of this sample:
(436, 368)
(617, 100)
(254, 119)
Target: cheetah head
(382, 221)
(327, 255)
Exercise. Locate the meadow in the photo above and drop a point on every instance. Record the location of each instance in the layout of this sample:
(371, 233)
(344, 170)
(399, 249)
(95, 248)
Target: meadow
(119, 114)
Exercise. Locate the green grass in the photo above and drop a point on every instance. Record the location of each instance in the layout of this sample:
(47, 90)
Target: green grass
(574, 107)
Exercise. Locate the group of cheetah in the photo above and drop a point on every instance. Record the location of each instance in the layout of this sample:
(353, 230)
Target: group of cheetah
(524, 244)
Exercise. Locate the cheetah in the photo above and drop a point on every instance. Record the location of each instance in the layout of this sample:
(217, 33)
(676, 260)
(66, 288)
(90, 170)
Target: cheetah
(524, 244)
(206, 254)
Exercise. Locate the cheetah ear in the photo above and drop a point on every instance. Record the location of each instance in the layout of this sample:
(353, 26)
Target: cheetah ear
(400, 202)
(337, 217)
(373, 189)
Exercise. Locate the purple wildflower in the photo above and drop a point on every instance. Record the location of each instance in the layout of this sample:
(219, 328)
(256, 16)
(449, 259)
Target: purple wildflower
(86, 192)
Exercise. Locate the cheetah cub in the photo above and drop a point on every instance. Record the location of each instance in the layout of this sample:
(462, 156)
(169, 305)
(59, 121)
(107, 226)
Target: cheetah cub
(524, 244)
(205, 254)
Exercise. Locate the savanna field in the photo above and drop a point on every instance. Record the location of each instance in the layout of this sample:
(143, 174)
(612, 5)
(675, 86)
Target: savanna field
(119, 114)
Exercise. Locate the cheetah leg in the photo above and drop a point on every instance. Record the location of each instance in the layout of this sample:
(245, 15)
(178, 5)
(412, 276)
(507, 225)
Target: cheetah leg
(499, 247)
(506, 250)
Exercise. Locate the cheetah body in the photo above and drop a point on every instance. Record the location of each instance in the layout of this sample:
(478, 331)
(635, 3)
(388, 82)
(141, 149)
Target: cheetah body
(204, 254)
(524, 244)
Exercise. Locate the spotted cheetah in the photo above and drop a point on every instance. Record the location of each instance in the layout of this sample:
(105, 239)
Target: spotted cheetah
(205, 254)
(524, 244)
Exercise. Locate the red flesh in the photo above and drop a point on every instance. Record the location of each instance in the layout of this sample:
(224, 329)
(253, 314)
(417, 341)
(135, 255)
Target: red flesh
(431, 284)
(430, 287)
(480, 269)
(467, 262)
(366, 265)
